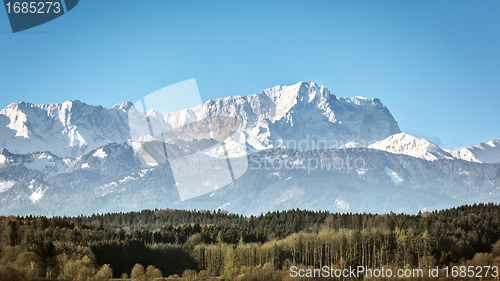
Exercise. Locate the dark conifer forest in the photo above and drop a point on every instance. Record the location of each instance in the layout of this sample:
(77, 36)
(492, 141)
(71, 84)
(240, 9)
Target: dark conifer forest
(205, 245)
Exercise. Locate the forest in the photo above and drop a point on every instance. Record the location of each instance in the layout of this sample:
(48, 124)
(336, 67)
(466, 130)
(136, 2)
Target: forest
(205, 245)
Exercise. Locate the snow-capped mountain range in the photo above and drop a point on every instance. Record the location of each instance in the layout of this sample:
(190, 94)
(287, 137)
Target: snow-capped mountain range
(278, 117)
(73, 158)
(403, 143)
(482, 153)
(67, 129)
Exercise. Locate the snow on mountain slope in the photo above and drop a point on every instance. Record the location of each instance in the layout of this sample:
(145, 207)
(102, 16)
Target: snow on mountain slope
(67, 129)
(45, 162)
(385, 182)
(482, 153)
(6, 185)
(393, 175)
(301, 116)
(403, 143)
(52, 154)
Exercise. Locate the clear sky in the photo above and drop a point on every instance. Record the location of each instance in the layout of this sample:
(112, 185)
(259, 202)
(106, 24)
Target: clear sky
(434, 64)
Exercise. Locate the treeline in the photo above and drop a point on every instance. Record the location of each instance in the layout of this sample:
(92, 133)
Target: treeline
(293, 220)
(202, 244)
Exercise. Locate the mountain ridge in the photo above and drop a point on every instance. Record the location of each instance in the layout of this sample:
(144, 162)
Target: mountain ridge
(406, 144)
(295, 138)
(273, 118)
(282, 116)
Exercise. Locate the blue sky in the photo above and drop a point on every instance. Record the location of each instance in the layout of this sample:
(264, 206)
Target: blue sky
(434, 64)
